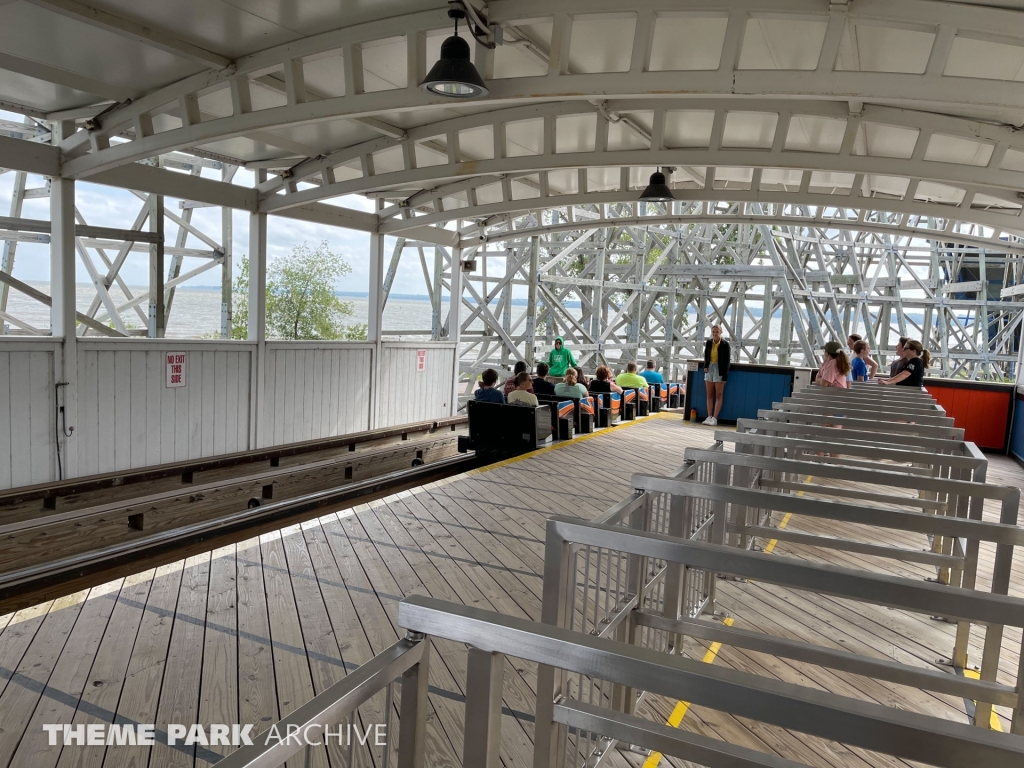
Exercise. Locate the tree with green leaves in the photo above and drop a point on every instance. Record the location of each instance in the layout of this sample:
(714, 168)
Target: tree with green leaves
(301, 299)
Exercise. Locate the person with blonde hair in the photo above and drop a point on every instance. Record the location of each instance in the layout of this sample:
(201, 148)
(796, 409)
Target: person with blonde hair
(717, 357)
(570, 387)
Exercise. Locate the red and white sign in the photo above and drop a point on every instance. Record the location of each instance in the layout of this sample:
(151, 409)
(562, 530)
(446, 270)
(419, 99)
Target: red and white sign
(421, 360)
(175, 369)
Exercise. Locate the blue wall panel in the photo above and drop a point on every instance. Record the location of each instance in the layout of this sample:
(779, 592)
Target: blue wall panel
(745, 393)
(1017, 436)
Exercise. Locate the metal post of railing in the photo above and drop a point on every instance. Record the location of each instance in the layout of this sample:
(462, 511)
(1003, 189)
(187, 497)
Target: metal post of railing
(557, 610)
(412, 732)
(482, 734)
(1001, 573)
(675, 573)
(1017, 725)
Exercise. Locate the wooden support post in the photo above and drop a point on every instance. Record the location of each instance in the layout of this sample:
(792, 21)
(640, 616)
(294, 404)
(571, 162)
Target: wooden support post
(63, 323)
(157, 298)
(257, 319)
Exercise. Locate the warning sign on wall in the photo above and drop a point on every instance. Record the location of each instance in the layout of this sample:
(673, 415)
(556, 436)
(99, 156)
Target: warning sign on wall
(421, 360)
(176, 369)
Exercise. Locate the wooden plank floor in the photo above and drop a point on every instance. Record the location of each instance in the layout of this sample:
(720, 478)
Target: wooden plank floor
(248, 632)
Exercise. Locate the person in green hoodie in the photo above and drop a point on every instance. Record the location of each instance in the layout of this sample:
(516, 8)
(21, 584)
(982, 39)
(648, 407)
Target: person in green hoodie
(560, 359)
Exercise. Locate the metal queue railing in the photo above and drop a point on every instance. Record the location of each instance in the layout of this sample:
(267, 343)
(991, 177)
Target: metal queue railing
(559, 652)
(346, 719)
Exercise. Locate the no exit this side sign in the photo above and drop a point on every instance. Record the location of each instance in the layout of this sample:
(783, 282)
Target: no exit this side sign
(176, 366)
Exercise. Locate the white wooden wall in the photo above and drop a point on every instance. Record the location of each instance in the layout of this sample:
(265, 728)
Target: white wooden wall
(315, 389)
(129, 418)
(27, 412)
(406, 395)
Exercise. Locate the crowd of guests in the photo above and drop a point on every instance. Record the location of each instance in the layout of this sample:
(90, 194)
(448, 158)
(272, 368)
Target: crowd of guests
(560, 376)
(839, 369)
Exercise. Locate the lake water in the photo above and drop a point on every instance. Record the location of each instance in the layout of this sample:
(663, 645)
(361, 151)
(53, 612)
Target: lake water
(195, 312)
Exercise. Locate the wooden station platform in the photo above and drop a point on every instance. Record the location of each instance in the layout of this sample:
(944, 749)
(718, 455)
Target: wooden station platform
(246, 633)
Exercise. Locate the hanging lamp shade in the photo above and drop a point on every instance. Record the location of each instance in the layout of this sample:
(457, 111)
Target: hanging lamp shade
(454, 74)
(657, 190)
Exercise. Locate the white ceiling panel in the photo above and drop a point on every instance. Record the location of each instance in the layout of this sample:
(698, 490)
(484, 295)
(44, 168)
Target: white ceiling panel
(889, 186)
(985, 59)
(750, 130)
(602, 179)
(524, 137)
(813, 133)
(384, 64)
(781, 179)
(516, 59)
(575, 133)
(622, 136)
(477, 144)
(939, 193)
(32, 33)
(563, 182)
(1013, 161)
(876, 48)
(953, 149)
(687, 42)
(733, 178)
(489, 194)
(688, 128)
(830, 182)
(782, 43)
(878, 140)
(602, 43)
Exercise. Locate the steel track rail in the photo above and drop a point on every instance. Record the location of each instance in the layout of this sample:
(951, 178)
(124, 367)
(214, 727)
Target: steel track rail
(36, 578)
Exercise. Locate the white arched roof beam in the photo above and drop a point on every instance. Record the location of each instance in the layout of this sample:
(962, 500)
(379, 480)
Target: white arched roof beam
(922, 57)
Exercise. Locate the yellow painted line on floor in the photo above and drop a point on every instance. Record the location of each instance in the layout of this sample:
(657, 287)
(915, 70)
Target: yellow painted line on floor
(785, 520)
(682, 707)
(994, 722)
(574, 441)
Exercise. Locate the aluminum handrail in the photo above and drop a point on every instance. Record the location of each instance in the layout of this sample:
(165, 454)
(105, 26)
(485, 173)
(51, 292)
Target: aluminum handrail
(865, 403)
(830, 408)
(943, 444)
(964, 606)
(829, 716)
(917, 522)
(408, 659)
(946, 461)
(880, 427)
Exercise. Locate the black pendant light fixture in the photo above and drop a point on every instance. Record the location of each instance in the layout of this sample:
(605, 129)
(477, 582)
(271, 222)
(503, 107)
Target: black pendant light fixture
(454, 74)
(657, 190)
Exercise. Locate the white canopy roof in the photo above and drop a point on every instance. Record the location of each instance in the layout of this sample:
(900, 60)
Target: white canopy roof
(912, 103)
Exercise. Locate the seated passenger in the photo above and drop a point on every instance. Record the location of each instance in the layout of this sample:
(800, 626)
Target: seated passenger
(486, 390)
(581, 377)
(522, 395)
(511, 384)
(651, 376)
(835, 368)
(570, 387)
(542, 386)
(602, 382)
(631, 378)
